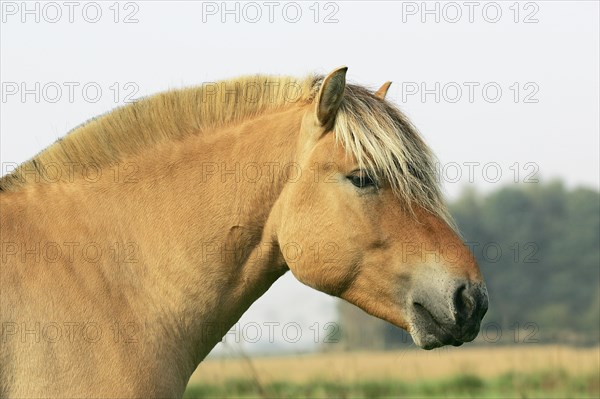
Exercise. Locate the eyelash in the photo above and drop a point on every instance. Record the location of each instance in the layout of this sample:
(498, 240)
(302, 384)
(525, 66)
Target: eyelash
(362, 180)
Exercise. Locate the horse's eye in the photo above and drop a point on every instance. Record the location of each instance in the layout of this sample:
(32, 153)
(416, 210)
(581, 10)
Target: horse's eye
(361, 180)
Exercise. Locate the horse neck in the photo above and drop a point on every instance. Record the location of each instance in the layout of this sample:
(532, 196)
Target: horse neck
(201, 219)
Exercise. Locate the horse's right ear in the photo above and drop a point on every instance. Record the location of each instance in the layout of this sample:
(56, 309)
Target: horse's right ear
(380, 94)
(330, 96)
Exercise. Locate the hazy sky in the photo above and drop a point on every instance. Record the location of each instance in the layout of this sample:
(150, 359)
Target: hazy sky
(501, 92)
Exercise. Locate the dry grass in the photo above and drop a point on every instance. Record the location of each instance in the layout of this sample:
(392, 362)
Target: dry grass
(406, 365)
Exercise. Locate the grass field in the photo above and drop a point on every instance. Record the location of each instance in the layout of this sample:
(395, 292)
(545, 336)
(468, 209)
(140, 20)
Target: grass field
(500, 372)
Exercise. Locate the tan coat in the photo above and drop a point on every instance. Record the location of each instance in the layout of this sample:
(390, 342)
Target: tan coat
(130, 247)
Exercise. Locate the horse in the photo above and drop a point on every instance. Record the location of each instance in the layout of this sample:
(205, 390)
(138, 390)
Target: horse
(132, 245)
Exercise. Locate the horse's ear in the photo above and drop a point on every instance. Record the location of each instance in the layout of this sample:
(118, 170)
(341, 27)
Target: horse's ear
(330, 96)
(383, 90)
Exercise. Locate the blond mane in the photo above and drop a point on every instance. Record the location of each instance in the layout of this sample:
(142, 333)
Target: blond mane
(380, 137)
(171, 115)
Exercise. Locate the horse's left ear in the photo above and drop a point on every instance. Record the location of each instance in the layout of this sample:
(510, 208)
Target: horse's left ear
(383, 90)
(330, 96)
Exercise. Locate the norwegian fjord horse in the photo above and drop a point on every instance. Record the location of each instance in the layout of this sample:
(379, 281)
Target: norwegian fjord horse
(133, 244)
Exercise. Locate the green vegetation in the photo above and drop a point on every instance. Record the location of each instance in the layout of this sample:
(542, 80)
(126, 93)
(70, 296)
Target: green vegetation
(548, 273)
(538, 246)
(550, 384)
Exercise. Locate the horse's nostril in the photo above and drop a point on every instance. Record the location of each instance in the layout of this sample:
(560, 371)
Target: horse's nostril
(464, 303)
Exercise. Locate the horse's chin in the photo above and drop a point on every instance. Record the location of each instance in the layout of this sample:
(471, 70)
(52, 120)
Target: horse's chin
(430, 341)
(428, 333)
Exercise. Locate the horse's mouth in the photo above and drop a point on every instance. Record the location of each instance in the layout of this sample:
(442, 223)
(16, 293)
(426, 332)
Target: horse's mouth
(428, 332)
